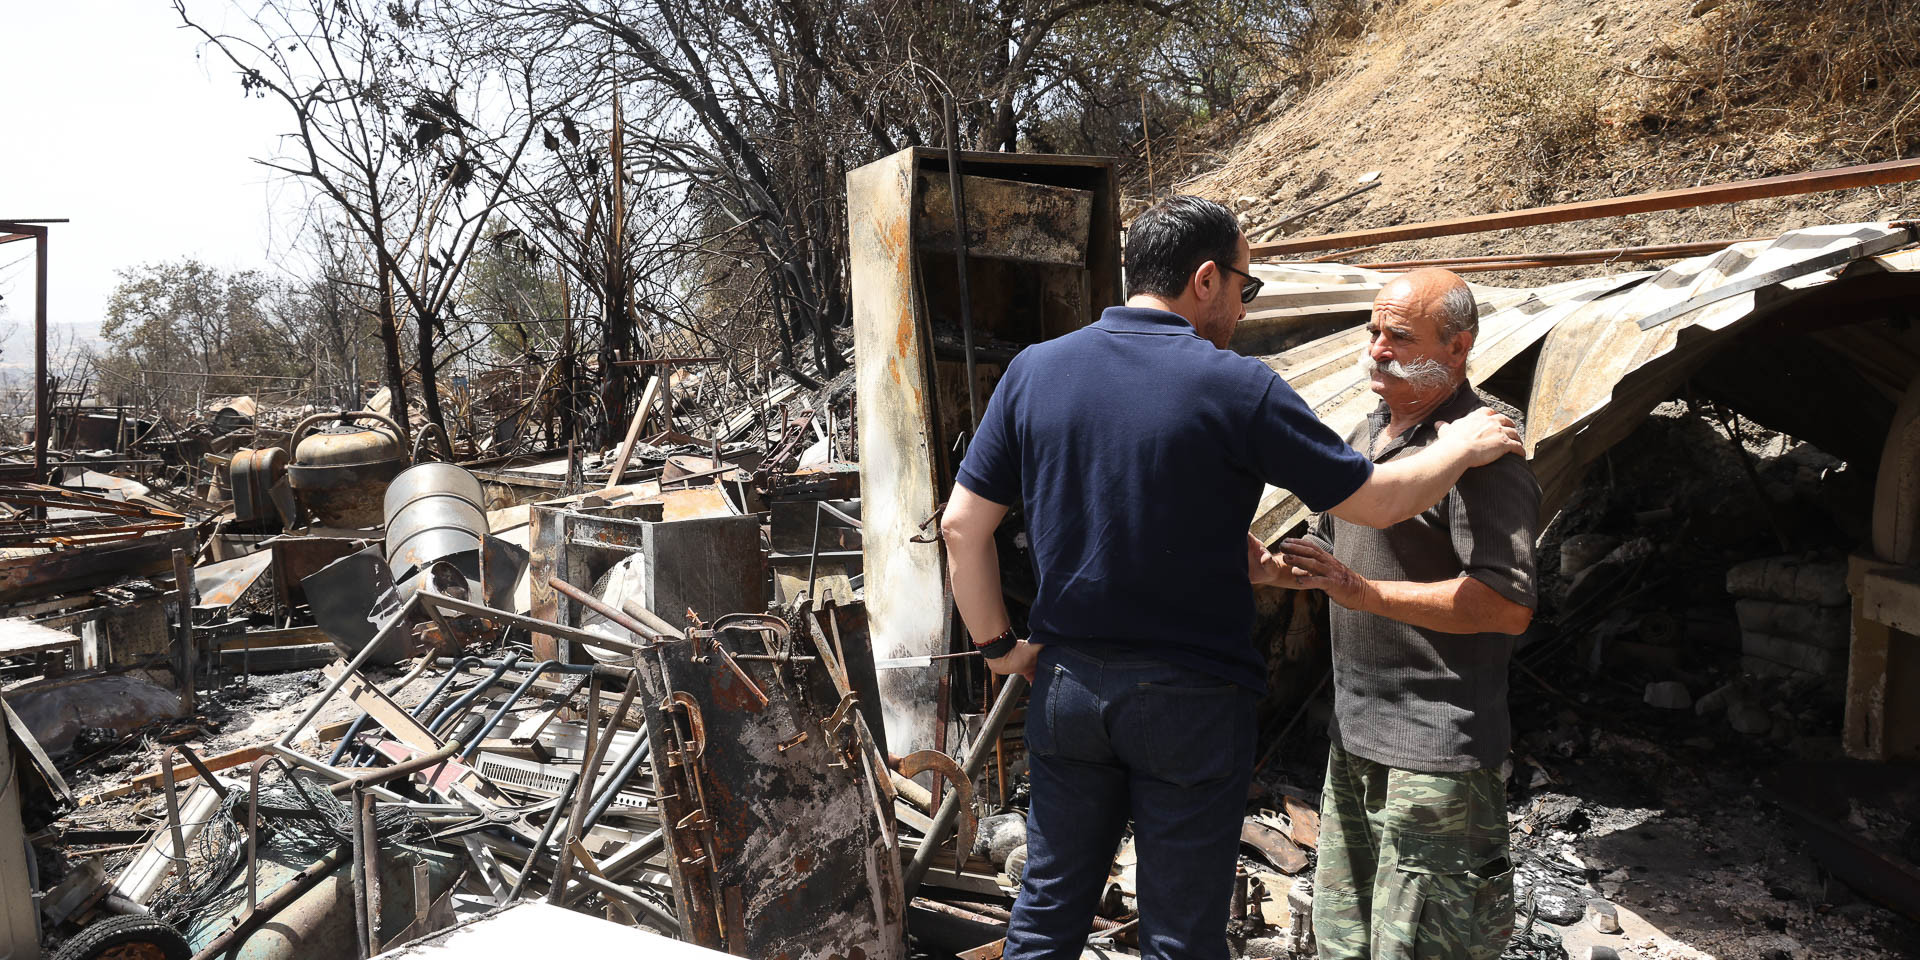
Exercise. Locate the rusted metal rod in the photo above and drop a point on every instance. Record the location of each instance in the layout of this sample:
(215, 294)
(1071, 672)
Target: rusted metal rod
(370, 836)
(561, 630)
(357, 871)
(641, 630)
(976, 760)
(1657, 251)
(1819, 181)
(413, 765)
(583, 796)
(591, 602)
(546, 835)
(935, 906)
(290, 891)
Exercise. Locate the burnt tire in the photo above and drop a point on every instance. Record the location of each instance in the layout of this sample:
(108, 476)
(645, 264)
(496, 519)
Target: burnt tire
(126, 938)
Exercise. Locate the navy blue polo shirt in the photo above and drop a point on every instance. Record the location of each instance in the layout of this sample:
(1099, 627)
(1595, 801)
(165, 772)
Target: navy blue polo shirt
(1139, 451)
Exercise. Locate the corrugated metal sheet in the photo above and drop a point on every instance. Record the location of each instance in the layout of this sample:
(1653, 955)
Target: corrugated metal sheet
(1598, 370)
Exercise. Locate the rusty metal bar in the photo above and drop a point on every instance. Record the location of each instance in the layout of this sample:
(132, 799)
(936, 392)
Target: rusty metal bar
(583, 797)
(173, 813)
(976, 761)
(610, 790)
(370, 835)
(591, 602)
(1819, 181)
(546, 835)
(1657, 251)
(412, 765)
(358, 873)
(935, 906)
(561, 630)
(1505, 265)
(290, 891)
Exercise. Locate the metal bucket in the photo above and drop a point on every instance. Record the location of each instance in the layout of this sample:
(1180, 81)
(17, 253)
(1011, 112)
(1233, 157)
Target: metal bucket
(340, 477)
(435, 511)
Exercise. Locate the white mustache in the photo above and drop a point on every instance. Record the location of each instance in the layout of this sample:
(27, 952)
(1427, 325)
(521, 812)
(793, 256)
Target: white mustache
(1425, 373)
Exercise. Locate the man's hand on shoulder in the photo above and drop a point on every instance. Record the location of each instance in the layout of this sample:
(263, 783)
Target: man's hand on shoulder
(1023, 659)
(1316, 569)
(1482, 436)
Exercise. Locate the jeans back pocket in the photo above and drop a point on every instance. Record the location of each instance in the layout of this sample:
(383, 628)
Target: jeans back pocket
(1193, 734)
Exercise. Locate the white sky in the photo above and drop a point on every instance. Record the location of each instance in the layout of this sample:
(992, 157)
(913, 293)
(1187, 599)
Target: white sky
(108, 118)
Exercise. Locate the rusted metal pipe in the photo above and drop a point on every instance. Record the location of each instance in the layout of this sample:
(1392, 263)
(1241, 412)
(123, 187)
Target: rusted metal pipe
(629, 765)
(381, 775)
(453, 710)
(950, 910)
(653, 620)
(1819, 181)
(591, 602)
(507, 704)
(589, 772)
(42, 417)
(357, 871)
(1653, 251)
(560, 630)
(370, 835)
(290, 891)
(557, 888)
(546, 835)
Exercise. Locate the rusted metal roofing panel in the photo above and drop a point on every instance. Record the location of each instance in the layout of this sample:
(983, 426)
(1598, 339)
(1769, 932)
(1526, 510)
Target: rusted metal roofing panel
(1598, 363)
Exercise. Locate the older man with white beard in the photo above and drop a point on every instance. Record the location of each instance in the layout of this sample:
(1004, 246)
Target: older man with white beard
(1413, 831)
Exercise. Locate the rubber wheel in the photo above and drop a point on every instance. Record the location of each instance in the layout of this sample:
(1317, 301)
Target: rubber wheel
(126, 938)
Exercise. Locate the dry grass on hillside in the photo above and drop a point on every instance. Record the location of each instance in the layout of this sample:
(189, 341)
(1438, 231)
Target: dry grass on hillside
(1848, 70)
(1472, 106)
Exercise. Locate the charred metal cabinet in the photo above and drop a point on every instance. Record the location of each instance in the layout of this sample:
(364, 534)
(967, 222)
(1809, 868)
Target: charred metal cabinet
(1043, 259)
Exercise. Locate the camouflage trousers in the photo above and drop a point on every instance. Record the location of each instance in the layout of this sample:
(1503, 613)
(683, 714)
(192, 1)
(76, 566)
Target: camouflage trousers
(1412, 865)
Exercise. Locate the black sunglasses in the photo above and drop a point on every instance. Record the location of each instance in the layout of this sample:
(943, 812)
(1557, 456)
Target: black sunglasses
(1248, 290)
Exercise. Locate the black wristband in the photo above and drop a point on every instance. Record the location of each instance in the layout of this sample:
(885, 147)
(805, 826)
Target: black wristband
(999, 646)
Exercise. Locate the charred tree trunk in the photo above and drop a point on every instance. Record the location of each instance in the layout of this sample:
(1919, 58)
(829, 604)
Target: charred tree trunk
(428, 367)
(390, 340)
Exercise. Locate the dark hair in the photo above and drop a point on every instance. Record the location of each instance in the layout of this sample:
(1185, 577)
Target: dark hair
(1166, 244)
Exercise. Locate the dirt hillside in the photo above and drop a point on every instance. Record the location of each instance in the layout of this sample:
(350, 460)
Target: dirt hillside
(1474, 106)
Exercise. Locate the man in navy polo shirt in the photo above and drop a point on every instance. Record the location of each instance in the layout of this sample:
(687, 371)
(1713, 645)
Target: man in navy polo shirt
(1139, 446)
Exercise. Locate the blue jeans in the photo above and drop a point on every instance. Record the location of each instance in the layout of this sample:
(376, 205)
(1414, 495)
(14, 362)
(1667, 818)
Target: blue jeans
(1113, 737)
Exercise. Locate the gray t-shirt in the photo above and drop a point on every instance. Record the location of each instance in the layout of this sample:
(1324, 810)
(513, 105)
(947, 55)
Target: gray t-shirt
(1419, 699)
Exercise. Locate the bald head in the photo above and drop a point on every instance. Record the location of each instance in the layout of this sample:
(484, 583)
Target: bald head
(1438, 295)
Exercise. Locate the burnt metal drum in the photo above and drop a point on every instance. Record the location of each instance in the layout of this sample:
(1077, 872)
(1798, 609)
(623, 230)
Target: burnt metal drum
(340, 478)
(434, 511)
(254, 473)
